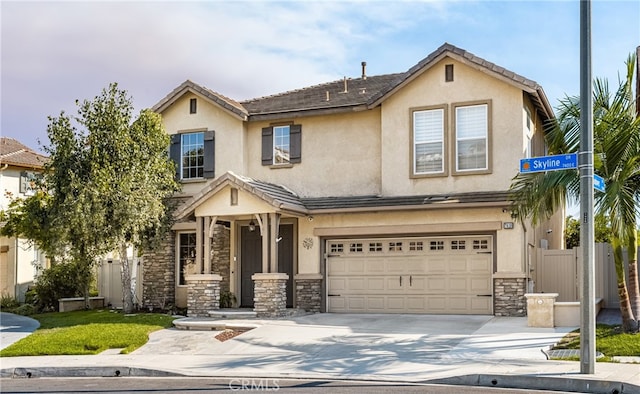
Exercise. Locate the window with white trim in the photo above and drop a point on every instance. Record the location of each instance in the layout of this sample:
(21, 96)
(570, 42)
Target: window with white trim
(472, 137)
(281, 145)
(186, 256)
(192, 155)
(428, 141)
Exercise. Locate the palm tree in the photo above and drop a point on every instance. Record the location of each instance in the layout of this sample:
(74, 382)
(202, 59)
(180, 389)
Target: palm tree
(616, 158)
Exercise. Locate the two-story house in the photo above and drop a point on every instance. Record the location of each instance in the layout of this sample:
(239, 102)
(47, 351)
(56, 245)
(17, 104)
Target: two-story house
(382, 194)
(20, 260)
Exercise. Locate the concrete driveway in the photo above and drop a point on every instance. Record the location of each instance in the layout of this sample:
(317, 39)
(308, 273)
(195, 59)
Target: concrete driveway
(361, 344)
(15, 327)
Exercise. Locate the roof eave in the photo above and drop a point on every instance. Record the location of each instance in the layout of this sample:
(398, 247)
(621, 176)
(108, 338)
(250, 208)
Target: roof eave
(298, 113)
(416, 207)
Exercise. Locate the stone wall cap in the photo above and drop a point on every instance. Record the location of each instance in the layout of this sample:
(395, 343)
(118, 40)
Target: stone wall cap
(203, 277)
(307, 276)
(541, 295)
(509, 275)
(269, 276)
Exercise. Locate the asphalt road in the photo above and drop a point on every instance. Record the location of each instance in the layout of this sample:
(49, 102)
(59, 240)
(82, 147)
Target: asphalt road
(232, 385)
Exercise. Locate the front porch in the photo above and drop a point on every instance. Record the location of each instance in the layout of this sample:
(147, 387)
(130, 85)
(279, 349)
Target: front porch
(235, 245)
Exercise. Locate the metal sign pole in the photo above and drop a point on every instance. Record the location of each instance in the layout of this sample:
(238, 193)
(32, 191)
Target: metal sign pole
(585, 166)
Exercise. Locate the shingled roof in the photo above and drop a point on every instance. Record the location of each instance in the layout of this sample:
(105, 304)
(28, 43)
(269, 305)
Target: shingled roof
(349, 94)
(284, 199)
(14, 153)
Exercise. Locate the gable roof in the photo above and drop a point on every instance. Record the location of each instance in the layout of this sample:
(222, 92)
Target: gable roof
(276, 195)
(356, 94)
(188, 86)
(13, 152)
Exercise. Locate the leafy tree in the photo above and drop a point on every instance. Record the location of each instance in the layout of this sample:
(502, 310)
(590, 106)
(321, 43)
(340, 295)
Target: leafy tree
(132, 173)
(104, 188)
(616, 159)
(572, 231)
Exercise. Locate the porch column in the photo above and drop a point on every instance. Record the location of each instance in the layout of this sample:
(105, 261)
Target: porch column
(270, 294)
(199, 222)
(274, 224)
(203, 294)
(264, 231)
(207, 245)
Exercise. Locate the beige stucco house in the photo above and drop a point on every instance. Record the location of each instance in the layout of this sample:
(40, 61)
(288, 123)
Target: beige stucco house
(20, 260)
(382, 194)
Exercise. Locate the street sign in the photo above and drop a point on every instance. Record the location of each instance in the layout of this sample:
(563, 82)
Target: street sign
(549, 163)
(598, 183)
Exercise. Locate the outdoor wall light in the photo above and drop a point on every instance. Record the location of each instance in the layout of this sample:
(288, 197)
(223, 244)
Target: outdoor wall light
(252, 226)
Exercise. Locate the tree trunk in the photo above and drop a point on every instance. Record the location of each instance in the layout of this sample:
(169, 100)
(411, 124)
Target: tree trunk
(629, 324)
(125, 273)
(634, 290)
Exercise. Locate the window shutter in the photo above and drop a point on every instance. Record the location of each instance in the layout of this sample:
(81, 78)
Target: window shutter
(267, 146)
(295, 141)
(209, 153)
(174, 152)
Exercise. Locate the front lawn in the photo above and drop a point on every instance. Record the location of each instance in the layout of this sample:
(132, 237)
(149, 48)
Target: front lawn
(610, 340)
(88, 332)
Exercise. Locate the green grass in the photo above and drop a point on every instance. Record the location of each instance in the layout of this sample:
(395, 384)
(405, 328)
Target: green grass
(87, 332)
(610, 340)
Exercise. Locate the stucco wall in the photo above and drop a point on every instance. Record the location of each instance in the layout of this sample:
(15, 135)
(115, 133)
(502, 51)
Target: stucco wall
(340, 156)
(430, 89)
(229, 134)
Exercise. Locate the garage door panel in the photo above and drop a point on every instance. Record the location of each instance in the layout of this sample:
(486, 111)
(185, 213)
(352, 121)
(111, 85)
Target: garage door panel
(412, 275)
(436, 265)
(480, 285)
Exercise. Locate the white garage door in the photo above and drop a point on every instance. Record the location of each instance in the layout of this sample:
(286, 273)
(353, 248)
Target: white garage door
(448, 275)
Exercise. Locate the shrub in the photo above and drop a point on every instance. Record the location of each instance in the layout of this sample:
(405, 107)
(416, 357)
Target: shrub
(25, 310)
(8, 303)
(60, 281)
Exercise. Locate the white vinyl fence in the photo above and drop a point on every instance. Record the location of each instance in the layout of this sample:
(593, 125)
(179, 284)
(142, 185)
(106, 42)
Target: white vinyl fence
(110, 282)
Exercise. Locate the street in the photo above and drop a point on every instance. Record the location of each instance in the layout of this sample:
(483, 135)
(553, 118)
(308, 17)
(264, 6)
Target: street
(231, 385)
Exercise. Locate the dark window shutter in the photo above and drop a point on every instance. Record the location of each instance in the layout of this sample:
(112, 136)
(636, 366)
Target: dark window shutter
(209, 154)
(174, 152)
(295, 141)
(267, 146)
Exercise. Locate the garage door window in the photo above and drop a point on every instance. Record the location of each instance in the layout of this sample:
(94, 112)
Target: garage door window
(375, 246)
(436, 245)
(395, 246)
(458, 245)
(355, 247)
(480, 244)
(337, 248)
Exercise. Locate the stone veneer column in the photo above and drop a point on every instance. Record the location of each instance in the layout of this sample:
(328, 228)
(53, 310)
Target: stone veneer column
(508, 295)
(159, 274)
(308, 292)
(270, 294)
(204, 294)
(220, 255)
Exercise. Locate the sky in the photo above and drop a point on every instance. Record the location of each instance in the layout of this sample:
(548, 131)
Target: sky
(54, 53)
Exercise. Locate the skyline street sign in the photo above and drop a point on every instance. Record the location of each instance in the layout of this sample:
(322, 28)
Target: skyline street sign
(549, 163)
(598, 183)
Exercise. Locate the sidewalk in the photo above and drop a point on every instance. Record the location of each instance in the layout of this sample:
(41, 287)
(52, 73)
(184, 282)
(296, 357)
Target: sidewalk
(486, 350)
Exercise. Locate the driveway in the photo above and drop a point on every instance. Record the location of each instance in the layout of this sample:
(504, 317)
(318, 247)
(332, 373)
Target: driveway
(15, 327)
(362, 344)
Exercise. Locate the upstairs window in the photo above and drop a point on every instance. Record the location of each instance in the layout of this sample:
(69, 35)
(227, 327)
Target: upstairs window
(281, 145)
(194, 155)
(428, 141)
(472, 138)
(193, 106)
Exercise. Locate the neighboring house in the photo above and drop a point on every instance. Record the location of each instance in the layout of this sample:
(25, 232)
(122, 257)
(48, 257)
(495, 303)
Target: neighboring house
(385, 194)
(20, 260)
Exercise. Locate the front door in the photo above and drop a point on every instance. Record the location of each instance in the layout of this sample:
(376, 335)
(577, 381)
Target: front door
(251, 261)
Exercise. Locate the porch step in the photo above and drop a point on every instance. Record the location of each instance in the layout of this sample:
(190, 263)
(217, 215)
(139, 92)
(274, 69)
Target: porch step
(233, 314)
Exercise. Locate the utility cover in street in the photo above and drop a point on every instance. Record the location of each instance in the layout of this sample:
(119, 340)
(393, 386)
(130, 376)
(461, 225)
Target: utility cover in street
(549, 163)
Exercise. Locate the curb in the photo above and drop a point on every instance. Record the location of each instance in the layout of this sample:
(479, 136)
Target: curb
(90, 372)
(533, 382)
(530, 382)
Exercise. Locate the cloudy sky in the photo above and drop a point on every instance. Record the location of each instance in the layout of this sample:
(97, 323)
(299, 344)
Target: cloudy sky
(56, 52)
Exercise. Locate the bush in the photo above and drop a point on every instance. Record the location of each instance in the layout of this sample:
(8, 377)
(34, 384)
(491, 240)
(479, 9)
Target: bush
(8, 303)
(60, 281)
(25, 310)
